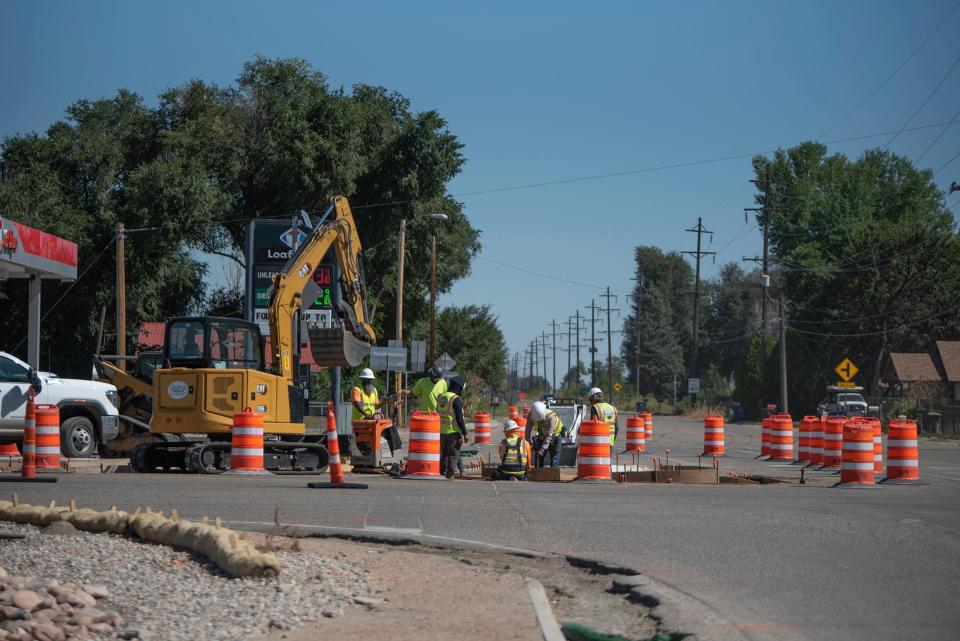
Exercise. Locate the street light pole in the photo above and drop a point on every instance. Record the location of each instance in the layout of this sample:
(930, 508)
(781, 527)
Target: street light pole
(433, 301)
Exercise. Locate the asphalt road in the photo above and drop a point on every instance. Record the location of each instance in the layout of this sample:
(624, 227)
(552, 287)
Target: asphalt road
(779, 562)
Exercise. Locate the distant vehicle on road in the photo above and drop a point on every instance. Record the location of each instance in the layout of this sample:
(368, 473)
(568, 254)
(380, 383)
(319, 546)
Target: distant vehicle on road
(845, 401)
(88, 409)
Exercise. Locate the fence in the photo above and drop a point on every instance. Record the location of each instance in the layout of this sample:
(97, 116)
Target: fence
(925, 411)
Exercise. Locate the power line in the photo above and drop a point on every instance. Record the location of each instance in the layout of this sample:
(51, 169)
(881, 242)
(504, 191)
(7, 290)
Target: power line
(895, 71)
(936, 140)
(944, 165)
(556, 278)
(925, 101)
(879, 333)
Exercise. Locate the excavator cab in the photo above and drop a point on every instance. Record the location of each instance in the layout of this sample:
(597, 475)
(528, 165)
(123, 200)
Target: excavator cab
(213, 343)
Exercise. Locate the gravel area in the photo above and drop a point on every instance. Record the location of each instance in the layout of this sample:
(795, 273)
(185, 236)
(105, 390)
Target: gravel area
(163, 593)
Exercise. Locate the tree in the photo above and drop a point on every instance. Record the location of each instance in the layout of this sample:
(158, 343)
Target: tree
(732, 317)
(865, 250)
(661, 357)
(749, 377)
(472, 336)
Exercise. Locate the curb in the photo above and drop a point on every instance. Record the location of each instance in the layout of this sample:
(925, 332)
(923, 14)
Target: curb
(672, 608)
(549, 628)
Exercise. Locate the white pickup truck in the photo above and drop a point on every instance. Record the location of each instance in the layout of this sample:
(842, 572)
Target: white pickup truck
(88, 409)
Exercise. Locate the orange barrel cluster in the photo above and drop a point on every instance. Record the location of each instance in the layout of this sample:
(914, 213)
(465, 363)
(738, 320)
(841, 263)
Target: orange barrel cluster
(857, 466)
(816, 442)
(781, 438)
(513, 413)
(29, 468)
(481, 428)
(803, 438)
(647, 425)
(765, 437)
(713, 435)
(48, 437)
(246, 442)
(636, 439)
(423, 459)
(833, 442)
(522, 422)
(903, 456)
(877, 445)
(593, 455)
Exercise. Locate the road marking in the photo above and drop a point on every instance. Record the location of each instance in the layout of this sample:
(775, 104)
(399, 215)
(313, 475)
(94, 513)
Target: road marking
(942, 476)
(394, 530)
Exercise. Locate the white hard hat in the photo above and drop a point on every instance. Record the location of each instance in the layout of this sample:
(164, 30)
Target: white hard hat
(510, 426)
(594, 391)
(538, 411)
(367, 373)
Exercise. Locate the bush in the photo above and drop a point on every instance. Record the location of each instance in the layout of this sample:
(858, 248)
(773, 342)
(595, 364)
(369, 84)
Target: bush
(681, 406)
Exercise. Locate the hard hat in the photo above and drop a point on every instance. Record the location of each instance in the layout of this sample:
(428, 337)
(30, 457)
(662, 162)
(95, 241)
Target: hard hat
(594, 391)
(538, 411)
(435, 373)
(367, 374)
(510, 426)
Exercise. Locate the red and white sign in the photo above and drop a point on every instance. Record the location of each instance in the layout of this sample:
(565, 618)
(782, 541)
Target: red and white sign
(26, 251)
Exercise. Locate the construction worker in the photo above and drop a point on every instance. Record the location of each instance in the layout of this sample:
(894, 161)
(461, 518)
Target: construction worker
(600, 411)
(365, 398)
(453, 429)
(546, 429)
(515, 454)
(428, 389)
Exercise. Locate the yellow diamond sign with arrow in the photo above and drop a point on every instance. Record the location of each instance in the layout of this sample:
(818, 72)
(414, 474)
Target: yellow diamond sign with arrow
(846, 369)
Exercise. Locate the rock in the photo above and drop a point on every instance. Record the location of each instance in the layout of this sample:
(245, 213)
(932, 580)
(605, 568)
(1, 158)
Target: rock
(13, 613)
(113, 618)
(100, 628)
(47, 614)
(3, 573)
(128, 634)
(279, 624)
(331, 614)
(27, 599)
(48, 632)
(77, 598)
(369, 602)
(96, 591)
(60, 528)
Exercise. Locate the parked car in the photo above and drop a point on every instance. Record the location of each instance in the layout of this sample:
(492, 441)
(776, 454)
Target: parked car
(846, 401)
(88, 409)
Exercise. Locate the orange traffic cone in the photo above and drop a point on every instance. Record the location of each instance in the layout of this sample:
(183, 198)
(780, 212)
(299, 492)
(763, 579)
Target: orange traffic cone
(28, 471)
(336, 468)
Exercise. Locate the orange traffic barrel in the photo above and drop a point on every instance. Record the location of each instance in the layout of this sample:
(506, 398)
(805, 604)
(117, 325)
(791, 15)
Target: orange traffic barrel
(833, 442)
(647, 425)
(246, 443)
(713, 435)
(522, 423)
(593, 454)
(10, 450)
(423, 458)
(857, 466)
(636, 435)
(29, 468)
(481, 428)
(877, 445)
(816, 441)
(513, 413)
(903, 455)
(803, 438)
(781, 438)
(47, 437)
(765, 438)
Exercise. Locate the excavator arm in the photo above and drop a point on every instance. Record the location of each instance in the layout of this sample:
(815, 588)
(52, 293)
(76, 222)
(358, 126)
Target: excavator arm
(347, 342)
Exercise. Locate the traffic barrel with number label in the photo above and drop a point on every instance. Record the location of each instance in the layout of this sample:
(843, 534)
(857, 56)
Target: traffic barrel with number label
(423, 458)
(593, 454)
(781, 437)
(246, 443)
(857, 466)
(903, 455)
(713, 436)
(833, 442)
(636, 439)
(481, 428)
(48, 437)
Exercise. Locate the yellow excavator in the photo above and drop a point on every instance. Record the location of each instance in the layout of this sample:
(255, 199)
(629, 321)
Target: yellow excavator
(214, 367)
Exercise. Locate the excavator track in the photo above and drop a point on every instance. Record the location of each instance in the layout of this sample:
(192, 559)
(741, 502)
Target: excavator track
(213, 457)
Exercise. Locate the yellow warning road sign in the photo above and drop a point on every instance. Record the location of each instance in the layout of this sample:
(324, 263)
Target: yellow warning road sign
(846, 369)
(617, 386)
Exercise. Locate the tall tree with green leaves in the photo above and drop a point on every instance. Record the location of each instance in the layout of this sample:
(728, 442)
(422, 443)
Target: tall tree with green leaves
(472, 336)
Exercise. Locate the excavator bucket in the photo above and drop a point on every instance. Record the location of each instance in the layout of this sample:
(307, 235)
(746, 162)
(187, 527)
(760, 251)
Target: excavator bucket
(333, 347)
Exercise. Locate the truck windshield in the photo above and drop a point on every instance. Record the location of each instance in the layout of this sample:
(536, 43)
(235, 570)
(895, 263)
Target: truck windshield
(849, 398)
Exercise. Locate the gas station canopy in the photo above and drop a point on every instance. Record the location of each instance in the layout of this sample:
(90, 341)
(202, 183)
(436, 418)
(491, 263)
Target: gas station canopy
(29, 253)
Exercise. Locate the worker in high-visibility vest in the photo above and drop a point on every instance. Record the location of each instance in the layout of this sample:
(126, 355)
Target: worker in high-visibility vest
(546, 430)
(600, 411)
(453, 429)
(515, 454)
(366, 398)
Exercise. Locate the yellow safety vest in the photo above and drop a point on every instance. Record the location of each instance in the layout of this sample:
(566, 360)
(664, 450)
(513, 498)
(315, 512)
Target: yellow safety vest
(514, 457)
(608, 414)
(541, 426)
(367, 402)
(446, 411)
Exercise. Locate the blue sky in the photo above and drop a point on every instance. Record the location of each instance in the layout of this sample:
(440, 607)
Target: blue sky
(544, 91)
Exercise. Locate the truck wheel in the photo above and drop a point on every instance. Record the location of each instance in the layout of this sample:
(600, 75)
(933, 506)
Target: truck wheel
(78, 437)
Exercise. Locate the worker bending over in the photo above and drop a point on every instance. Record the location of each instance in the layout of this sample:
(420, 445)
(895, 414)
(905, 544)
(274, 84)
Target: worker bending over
(515, 454)
(453, 429)
(600, 411)
(546, 430)
(428, 389)
(366, 398)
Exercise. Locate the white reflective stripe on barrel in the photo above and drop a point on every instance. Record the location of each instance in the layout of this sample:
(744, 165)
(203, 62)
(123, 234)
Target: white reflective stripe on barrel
(896, 443)
(423, 456)
(595, 440)
(424, 436)
(246, 451)
(248, 431)
(594, 460)
(48, 429)
(899, 462)
(48, 450)
(858, 446)
(335, 459)
(858, 467)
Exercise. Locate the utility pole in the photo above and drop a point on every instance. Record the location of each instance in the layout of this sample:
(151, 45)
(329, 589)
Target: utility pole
(553, 344)
(533, 362)
(593, 343)
(546, 381)
(765, 213)
(433, 301)
(608, 296)
(569, 325)
(121, 297)
(699, 231)
(785, 406)
(577, 316)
